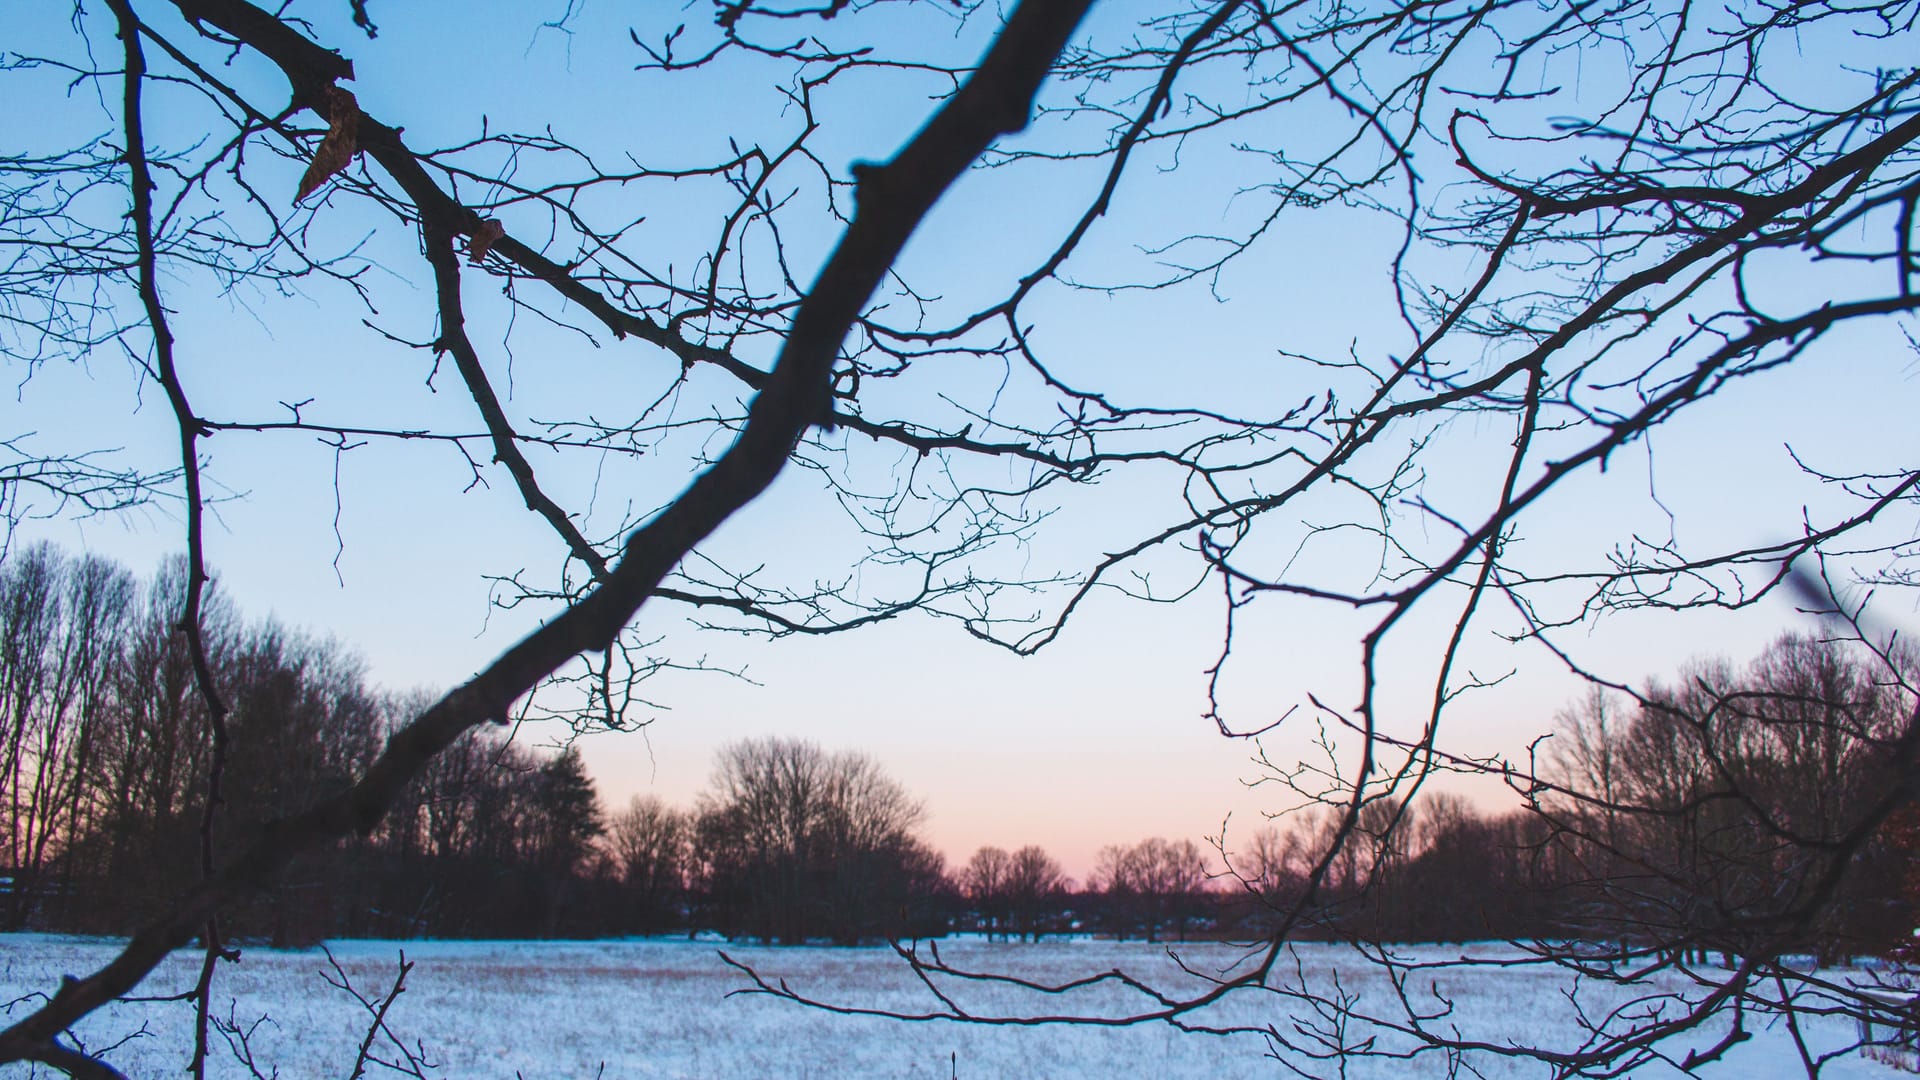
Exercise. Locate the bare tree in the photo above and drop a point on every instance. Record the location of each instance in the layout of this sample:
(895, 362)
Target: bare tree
(431, 193)
(1736, 790)
(1034, 882)
(64, 626)
(1272, 865)
(1593, 223)
(1151, 886)
(984, 880)
(796, 843)
(1604, 221)
(651, 843)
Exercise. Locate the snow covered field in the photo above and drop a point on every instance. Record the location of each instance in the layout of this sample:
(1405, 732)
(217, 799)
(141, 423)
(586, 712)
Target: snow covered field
(661, 1009)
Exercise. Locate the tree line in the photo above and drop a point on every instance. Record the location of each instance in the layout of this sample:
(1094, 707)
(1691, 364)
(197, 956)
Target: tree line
(1712, 815)
(1691, 815)
(106, 749)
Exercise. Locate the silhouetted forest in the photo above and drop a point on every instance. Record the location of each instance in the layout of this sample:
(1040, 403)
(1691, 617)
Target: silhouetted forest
(1681, 816)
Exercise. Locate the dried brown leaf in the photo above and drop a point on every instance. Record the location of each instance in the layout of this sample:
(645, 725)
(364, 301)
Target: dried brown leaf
(483, 239)
(339, 146)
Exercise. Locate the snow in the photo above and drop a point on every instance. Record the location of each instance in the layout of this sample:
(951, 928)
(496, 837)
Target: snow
(669, 1008)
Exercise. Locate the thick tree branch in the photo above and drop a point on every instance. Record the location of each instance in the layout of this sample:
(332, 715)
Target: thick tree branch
(894, 199)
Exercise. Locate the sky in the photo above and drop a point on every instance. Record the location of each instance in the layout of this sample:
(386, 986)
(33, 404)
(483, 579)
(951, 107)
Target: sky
(1100, 738)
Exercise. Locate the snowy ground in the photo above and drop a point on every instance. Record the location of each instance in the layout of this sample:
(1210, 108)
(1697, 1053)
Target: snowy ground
(662, 1009)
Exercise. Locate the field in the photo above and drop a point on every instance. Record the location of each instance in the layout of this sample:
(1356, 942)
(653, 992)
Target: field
(667, 1009)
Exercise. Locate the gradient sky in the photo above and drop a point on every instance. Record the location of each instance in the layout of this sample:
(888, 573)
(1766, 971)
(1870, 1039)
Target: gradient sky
(1100, 738)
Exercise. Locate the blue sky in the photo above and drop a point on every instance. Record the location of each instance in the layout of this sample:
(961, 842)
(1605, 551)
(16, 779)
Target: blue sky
(1101, 737)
